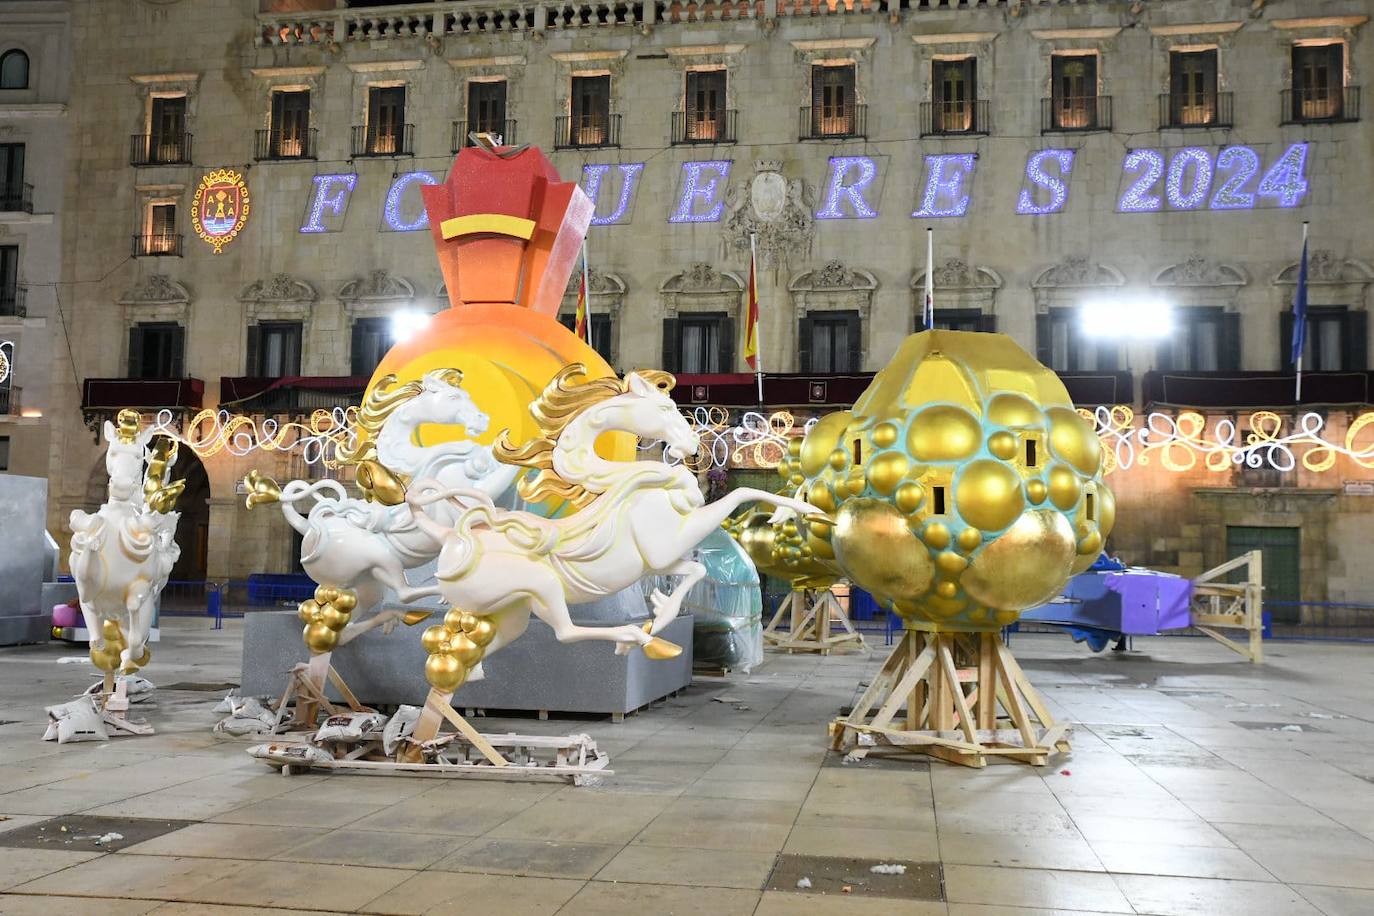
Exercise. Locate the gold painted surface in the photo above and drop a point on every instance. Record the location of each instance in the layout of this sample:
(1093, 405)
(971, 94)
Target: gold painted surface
(821, 440)
(1002, 444)
(1014, 410)
(886, 472)
(1025, 566)
(989, 495)
(487, 224)
(1065, 487)
(1074, 441)
(944, 433)
(876, 547)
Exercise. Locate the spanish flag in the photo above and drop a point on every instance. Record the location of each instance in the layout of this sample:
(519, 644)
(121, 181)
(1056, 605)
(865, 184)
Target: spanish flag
(751, 321)
(582, 325)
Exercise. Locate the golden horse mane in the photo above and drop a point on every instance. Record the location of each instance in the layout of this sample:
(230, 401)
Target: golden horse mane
(381, 402)
(563, 399)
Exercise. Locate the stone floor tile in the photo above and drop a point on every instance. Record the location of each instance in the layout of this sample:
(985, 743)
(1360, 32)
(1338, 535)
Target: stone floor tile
(1312, 863)
(540, 858)
(692, 867)
(713, 833)
(207, 909)
(14, 821)
(1161, 896)
(351, 846)
(1179, 861)
(599, 898)
(138, 877)
(982, 909)
(614, 821)
(18, 866)
(863, 843)
(440, 892)
(1338, 901)
(303, 885)
(1108, 828)
(781, 903)
(1017, 851)
(48, 905)
(280, 812)
(226, 841)
(1016, 823)
(1074, 890)
(469, 816)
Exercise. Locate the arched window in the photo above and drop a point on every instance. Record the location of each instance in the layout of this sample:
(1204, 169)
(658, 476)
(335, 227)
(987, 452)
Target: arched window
(14, 70)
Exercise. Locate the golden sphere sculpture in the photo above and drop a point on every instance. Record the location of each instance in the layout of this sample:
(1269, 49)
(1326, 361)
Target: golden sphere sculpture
(455, 647)
(325, 616)
(965, 487)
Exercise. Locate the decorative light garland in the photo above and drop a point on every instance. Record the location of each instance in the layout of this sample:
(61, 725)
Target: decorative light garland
(210, 431)
(1180, 441)
(757, 439)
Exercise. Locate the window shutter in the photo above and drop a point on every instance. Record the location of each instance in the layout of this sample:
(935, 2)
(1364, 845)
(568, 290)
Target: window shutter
(804, 344)
(817, 90)
(971, 79)
(1356, 340)
(178, 362)
(251, 366)
(135, 352)
(855, 329)
(727, 344)
(1229, 358)
(987, 323)
(1044, 344)
(672, 345)
(1286, 341)
(293, 350)
(357, 357)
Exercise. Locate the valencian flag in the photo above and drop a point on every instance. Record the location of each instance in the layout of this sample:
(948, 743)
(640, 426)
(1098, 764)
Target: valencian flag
(751, 321)
(582, 325)
(1300, 317)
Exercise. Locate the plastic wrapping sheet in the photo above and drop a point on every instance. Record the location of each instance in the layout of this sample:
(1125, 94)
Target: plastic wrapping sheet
(727, 605)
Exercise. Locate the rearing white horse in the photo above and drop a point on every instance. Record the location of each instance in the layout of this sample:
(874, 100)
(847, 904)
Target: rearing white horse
(637, 517)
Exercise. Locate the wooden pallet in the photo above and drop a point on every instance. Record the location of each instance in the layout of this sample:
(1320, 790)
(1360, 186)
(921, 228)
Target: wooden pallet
(960, 697)
(304, 697)
(1217, 604)
(812, 618)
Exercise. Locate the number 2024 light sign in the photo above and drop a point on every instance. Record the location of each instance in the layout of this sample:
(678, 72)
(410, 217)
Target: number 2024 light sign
(1152, 180)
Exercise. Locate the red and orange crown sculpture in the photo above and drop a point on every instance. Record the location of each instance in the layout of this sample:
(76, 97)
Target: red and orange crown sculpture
(506, 228)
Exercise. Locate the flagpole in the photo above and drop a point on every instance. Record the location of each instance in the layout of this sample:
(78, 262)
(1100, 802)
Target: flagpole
(928, 310)
(1302, 270)
(586, 295)
(758, 338)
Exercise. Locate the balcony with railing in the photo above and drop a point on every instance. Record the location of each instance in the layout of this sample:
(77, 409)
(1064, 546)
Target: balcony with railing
(12, 302)
(589, 131)
(1071, 114)
(297, 395)
(158, 245)
(1187, 110)
(160, 149)
(16, 198)
(968, 117)
(464, 129)
(690, 127)
(838, 122)
(108, 394)
(1329, 105)
(276, 145)
(1256, 390)
(9, 401)
(369, 141)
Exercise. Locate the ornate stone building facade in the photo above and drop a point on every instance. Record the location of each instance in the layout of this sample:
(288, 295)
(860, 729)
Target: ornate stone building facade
(1062, 152)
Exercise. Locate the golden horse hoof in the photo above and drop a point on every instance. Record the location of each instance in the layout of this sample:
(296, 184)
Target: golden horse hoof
(261, 489)
(413, 617)
(661, 649)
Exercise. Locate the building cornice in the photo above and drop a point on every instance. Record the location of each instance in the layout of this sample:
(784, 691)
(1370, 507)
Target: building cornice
(582, 57)
(1197, 28)
(285, 72)
(386, 66)
(503, 60)
(152, 79)
(955, 38)
(33, 110)
(1320, 22)
(833, 44)
(703, 50)
(1077, 34)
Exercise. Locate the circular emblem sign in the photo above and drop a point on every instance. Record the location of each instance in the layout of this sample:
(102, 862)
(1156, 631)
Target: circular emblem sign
(220, 208)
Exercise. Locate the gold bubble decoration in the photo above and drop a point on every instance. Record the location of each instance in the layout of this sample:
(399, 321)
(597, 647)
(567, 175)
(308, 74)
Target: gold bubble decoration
(325, 616)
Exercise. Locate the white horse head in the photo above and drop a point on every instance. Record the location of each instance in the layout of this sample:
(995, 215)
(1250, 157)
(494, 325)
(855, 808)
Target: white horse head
(443, 401)
(647, 411)
(124, 456)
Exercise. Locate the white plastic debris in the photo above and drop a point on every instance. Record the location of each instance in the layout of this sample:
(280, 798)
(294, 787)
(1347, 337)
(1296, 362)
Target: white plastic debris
(74, 660)
(1291, 728)
(725, 698)
(247, 716)
(399, 726)
(136, 688)
(888, 869)
(803, 883)
(351, 727)
(78, 720)
(292, 754)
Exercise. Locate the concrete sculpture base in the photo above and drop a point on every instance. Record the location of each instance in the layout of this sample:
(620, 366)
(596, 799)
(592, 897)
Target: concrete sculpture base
(23, 553)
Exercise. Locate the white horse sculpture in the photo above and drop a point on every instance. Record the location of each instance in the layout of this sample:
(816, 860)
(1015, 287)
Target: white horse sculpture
(123, 554)
(360, 546)
(639, 517)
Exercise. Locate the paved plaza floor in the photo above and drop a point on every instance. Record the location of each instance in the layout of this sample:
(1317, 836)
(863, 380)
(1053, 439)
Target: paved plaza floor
(1198, 784)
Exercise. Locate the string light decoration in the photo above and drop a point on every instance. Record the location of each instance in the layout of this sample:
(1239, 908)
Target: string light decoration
(1150, 166)
(1056, 186)
(332, 193)
(1242, 163)
(756, 441)
(211, 431)
(703, 184)
(391, 212)
(836, 191)
(594, 174)
(1182, 442)
(1283, 185)
(1201, 161)
(945, 179)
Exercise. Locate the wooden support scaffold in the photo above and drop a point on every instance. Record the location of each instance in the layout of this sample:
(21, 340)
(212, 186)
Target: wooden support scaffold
(812, 616)
(960, 697)
(1236, 605)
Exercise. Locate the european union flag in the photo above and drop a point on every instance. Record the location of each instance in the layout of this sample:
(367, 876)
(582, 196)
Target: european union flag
(1300, 310)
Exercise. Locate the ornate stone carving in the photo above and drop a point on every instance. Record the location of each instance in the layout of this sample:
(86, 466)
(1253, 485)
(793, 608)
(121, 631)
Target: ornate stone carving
(957, 274)
(776, 211)
(1199, 271)
(1325, 267)
(834, 275)
(156, 289)
(1077, 270)
(376, 286)
(281, 288)
(833, 286)
(600, 284)
(703, 288)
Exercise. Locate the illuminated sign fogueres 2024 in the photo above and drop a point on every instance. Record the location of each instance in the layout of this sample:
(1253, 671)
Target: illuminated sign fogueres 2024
(1189, 178)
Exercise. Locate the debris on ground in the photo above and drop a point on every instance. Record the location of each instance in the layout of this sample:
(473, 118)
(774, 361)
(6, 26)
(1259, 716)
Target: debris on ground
(804, 884)
(1065, 773)
(1290, 728)
(74, 659)
(723, 698)
(888, 869)
(1253, 705)
(846, 889)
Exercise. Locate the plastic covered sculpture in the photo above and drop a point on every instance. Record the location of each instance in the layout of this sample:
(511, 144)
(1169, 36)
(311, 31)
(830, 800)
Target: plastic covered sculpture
(961, 489)
(123, 554)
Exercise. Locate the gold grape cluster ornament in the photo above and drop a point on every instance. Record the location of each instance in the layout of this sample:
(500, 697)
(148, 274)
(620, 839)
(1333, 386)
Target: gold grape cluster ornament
(107, 658)
(961, 489)
(455, 647)
(326, 615)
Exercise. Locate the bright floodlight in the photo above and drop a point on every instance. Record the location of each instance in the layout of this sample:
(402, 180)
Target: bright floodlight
(1126, 317)
(405, 325)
